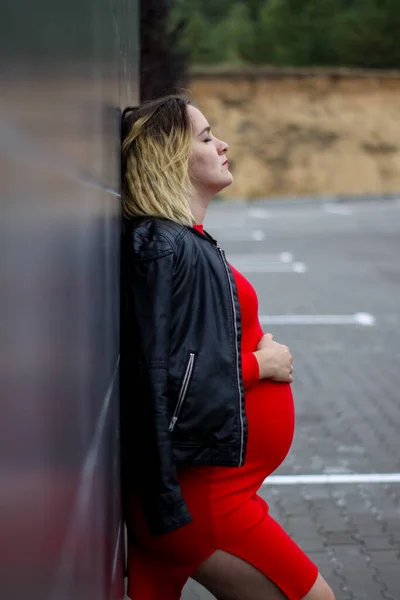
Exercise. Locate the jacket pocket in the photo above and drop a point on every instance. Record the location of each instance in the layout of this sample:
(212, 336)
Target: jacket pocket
(183, 391)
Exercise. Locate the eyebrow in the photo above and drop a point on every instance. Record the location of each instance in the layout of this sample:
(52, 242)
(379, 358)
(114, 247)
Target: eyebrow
(204, 130)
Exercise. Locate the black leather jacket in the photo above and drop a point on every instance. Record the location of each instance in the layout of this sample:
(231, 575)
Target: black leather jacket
(182, 395)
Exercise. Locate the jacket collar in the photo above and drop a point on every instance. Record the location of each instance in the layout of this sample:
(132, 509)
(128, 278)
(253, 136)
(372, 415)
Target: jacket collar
(201, 235)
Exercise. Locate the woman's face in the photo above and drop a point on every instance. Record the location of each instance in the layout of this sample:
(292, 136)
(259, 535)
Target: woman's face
(209, 168)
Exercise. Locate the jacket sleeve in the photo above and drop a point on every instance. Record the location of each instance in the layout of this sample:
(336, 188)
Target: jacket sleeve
(150, 299)
(250, 370)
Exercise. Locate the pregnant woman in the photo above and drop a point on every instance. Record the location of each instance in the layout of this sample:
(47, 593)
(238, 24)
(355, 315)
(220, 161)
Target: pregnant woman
(206, 405)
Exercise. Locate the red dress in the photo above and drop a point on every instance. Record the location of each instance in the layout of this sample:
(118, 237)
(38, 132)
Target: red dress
(226, 510)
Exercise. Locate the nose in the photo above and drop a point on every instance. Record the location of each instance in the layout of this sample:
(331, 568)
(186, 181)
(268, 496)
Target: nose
(222, 147)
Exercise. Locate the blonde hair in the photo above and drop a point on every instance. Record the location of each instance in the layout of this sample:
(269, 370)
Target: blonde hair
(156, 146)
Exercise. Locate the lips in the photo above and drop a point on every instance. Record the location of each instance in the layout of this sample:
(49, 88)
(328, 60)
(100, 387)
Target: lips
(225, 163)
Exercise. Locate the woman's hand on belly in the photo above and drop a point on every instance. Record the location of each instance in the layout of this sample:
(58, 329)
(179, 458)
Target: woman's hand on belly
(274, 360)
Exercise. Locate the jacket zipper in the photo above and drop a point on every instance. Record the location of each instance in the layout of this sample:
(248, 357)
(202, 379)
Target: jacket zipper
(237, 355)
(182, 391)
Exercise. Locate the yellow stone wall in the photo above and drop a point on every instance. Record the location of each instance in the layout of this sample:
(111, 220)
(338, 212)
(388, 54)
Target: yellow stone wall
(304, 132)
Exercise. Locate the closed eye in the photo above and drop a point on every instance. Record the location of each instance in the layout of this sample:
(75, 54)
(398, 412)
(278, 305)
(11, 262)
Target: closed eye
(208, 139)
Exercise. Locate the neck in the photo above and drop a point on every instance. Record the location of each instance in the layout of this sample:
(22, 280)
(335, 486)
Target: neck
(199, 205)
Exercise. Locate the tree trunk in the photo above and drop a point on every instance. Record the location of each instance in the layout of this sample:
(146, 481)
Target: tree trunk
(163, 68)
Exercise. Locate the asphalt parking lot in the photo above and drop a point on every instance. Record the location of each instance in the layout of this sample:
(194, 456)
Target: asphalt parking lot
(328, 281)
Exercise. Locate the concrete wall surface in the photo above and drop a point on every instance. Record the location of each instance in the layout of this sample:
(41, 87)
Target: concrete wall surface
(66, 69)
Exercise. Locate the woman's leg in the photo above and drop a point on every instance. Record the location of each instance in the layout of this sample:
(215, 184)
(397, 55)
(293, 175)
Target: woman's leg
(320, 591)
(228, 577)
(257, 560)
(151, 579)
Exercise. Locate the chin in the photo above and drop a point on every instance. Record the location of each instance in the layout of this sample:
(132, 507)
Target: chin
(222, 184)
(227, 181)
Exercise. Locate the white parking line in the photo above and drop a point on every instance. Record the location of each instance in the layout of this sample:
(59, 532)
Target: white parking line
(239, 235)
(271, 267)
(337, 209)
(299, 267)
(267, 263)
(356, 319)
(286, 257)
(333, 478)
(260, 258)
(259, 213)
(258, 235)
(236, 234)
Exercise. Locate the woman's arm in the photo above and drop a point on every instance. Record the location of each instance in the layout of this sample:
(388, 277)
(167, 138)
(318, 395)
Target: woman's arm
(148, 317)
(250, 370)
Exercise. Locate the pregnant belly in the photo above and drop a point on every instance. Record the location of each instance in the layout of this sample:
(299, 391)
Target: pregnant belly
(270, 418)
(270, 415)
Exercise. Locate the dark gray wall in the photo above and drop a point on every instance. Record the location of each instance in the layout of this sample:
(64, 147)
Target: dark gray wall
(66, 69)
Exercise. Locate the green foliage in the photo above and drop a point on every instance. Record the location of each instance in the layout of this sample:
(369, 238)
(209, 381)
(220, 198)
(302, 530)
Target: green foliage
(223, 41)
(362, 33)
(212, 10)
(196, 40)
(236, 32)
(372, 34)
(297, 33)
